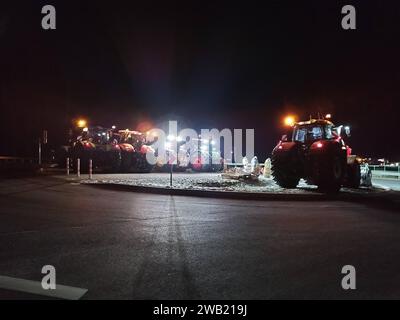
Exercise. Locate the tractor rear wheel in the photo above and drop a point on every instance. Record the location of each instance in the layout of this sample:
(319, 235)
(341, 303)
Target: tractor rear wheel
(78, 152)
(126, 161)
(116, 161)
(141, 165)
(284, 171)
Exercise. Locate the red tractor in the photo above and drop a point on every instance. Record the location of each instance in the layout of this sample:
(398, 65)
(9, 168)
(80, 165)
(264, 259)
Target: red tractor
(111, 150)
(134, 149)
(94, 143)
(315, 151)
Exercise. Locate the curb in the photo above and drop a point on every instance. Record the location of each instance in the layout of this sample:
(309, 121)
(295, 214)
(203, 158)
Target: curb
(230, 194)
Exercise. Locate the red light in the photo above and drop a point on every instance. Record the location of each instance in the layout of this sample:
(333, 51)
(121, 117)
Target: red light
(319, 145)
(280, 147)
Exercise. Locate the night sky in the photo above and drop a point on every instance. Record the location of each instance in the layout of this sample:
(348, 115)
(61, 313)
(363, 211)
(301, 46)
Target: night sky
(204, 63)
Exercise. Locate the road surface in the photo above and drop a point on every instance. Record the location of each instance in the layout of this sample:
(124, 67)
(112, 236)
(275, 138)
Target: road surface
(124, 245)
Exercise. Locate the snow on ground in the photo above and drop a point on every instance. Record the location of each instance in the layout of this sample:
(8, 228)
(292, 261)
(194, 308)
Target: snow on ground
(387, 184)
(203, 181)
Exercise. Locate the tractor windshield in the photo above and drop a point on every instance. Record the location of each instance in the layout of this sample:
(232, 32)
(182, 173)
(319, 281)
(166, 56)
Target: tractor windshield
(132, 137)
(310, 133)
(95, 135)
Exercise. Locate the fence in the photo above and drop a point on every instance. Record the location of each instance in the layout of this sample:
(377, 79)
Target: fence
(11, 165)
(378, 171)
(5, 160)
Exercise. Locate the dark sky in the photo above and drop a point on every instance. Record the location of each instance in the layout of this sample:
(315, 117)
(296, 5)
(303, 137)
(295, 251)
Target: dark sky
(204, 63)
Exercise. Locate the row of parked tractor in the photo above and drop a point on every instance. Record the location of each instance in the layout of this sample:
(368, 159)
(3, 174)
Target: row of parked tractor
(124, 151)
(313, 150)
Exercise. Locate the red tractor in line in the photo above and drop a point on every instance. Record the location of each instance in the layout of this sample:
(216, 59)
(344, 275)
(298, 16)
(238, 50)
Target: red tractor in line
(315, 151)
(111, 150)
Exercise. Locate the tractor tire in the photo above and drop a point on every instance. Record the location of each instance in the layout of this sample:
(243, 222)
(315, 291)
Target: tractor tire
(217, 167)
(141, 165)
(284, 171)
(116, 162)
(126, 162)
(61, 157)
(84, 164)
(330, 174)
(353, 175)
(79, 153)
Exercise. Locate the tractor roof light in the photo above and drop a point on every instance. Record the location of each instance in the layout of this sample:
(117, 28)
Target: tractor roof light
(81, 123)
(289, 121)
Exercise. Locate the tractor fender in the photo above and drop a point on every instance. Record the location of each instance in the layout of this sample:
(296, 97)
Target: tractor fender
(126, 147)
(85, 145)
(144, 149)
(284, 147)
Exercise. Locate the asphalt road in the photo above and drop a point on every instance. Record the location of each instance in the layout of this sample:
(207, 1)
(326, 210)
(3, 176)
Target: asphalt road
(124, 245)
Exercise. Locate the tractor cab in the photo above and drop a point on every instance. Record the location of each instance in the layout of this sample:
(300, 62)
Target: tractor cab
(134, 138)
(130, 136)
(97, 135)
(308, 132)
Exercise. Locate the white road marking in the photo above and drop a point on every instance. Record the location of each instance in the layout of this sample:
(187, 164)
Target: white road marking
(35, 287)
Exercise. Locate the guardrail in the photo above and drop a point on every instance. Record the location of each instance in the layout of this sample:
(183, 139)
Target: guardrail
(14, 164)
(378, 172)
(385, 172)
(7, 159)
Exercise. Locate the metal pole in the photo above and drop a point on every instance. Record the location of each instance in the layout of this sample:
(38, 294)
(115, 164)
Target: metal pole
(170, 175)
(90, 168)
(67, 166)
(78, 167)
(40, 152)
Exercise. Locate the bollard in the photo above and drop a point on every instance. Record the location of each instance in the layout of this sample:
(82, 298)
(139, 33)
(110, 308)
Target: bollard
(170, 174)
(67, 166)
(78, 167)
(90, 168)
